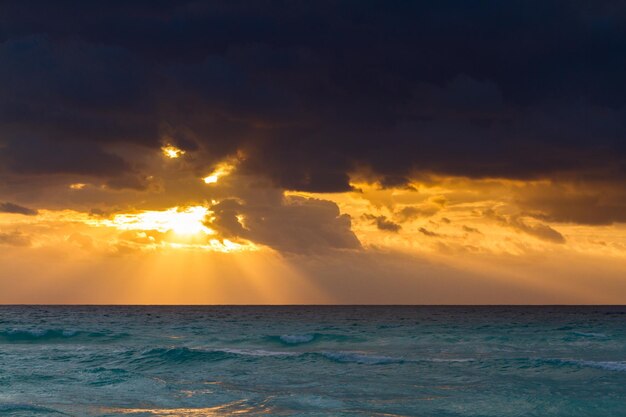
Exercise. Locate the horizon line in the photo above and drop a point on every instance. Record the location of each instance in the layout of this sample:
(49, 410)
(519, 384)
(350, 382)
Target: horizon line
(303, 305)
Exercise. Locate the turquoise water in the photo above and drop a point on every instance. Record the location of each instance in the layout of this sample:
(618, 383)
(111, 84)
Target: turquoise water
(313, 361)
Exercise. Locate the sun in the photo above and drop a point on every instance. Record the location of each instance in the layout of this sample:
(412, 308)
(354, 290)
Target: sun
(182, 227)
(185, 221)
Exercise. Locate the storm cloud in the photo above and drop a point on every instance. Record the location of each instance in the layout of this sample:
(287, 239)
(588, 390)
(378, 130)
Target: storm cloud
(311, 92)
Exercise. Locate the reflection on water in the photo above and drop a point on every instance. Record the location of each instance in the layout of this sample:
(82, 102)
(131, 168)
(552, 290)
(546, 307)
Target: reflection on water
(231, 409)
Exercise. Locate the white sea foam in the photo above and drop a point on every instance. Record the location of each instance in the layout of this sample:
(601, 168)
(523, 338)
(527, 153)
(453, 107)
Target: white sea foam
(607, 365)
(36, 333)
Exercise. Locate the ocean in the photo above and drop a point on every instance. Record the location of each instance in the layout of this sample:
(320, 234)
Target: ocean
(312, 361)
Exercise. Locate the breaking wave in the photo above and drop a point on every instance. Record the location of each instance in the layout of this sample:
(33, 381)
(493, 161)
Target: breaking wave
(186, 354)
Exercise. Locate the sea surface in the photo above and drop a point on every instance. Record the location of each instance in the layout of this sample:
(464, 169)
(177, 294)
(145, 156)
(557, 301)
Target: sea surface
(312, 361)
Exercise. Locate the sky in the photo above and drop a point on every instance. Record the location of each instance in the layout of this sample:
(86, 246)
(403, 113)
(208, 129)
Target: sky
(312, 152)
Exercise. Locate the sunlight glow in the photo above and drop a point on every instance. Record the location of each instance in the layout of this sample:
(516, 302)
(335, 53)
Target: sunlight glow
(78, 186)
(172, 152)
(180, 220)
(222, 170)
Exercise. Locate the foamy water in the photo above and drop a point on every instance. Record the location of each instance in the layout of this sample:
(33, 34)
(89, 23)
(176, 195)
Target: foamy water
(312, 361)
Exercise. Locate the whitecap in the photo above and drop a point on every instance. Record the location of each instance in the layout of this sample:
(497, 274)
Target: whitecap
(607, 365)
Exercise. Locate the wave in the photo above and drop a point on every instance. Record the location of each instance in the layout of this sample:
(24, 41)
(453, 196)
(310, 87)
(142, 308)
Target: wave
(102, 376)
(258, 352)
(303, 338)
(43, 335)
(158, 356)
(296, 339)
(580, 363)
(360, 358)
(590, 334)
(334, 356)
(30, 409)
(182, 355)
(187, 354)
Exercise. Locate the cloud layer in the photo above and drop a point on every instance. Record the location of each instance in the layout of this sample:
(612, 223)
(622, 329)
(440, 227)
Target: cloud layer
(313, 92)
(489, 122)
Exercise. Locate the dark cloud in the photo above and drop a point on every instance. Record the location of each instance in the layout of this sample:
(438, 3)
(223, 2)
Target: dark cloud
(285, 223)
(39, 157)
(588, 202)
(310, 91)
(382, 223)
(413, 212)
(131, 182)
(427, 232)
(74, 91)
(8, 207)
(469, 229)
